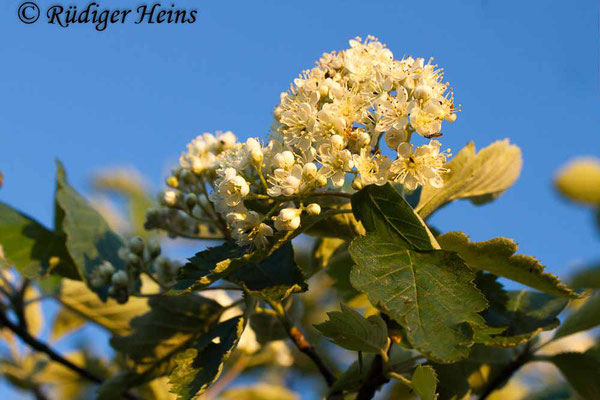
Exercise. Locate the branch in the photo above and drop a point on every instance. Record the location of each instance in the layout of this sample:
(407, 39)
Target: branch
(44, 348)
(302, 343)
(507, 373)
(375, 380)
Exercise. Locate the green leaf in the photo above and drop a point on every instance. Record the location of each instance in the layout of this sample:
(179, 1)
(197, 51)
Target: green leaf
(199, 366)
(523, 314)
(480, 177)
(338, 268)
(30, 247)
(580, 181)
(172, 325)
(584, 318)
(79, 305)
(582, 371)
(430, 294)
(261, 391)
(89, 239)
(498, 257)
(273, 278)
(382, 209)
(424, 382)
(273, 275)
(352, 331)
(588, 278)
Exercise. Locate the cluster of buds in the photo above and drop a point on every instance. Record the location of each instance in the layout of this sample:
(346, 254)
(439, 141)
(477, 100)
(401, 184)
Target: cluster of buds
(140, 257)
(327, 133)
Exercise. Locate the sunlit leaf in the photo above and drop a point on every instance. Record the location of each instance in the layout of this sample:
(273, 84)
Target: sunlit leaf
(89, 239)
(431, 294)
(480, 177)
(580, 180)
(30, 247)
(81, 305)
(200, 365)
(498, 257)
(382, 209)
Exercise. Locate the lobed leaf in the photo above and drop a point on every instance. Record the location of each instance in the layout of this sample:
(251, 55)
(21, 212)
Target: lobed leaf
(273, 275)
(582, 371)
(30, 247)
(424, 382)
(89, 239)
(522, 314)
(480, 177)
(352, 331)
(200, 365)
(173, 325)
(498, 257)
(584, 318)
(430, 294)
(79, 305)
(384, 210)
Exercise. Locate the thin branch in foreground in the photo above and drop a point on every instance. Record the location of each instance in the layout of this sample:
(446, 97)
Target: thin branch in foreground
(54, 356)
(303, 344)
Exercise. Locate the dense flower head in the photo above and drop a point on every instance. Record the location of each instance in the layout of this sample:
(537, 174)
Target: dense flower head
(328, 134)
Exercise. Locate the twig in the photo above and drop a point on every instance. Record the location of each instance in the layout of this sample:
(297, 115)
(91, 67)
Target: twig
(374, 381)
(507, 373)
(44, 348)
(302, 343)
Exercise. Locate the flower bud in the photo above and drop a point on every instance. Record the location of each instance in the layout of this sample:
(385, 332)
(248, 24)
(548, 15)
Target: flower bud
(169, 198)
(153, 248)
(357, 183)
(321, 180)
(313, 209)
(257, 157)
(119, 279)
(172, 182)
(309, 170)
(364, 140)
(190, 200)
(423, 92)
(106, 270)
(337, 142)
(133, 259)
(136, 245)
(288, 219)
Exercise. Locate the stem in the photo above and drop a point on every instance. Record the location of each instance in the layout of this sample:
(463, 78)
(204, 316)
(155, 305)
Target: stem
(302, 343)
(44, 348)
(401, 378)
(507, 373)
(374, 381)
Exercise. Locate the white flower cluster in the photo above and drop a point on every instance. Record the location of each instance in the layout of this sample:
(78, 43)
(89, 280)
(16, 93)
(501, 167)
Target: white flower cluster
(328, 127)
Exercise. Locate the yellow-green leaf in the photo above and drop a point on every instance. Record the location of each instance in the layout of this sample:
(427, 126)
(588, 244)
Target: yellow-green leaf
(81, 305)
(498, 257)
(580, 180)
(480, 177)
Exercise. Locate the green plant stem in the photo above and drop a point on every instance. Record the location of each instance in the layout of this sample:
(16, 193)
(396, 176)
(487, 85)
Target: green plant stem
(302, 343)
(41, 347)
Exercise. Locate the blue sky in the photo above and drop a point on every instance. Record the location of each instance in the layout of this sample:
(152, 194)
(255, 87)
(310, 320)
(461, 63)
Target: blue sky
(136, 94)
